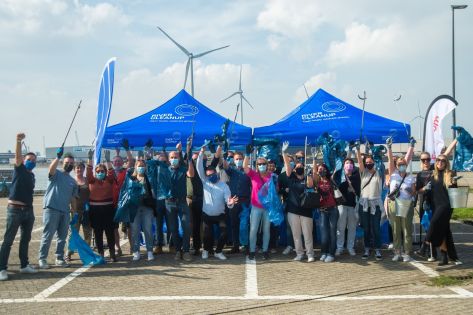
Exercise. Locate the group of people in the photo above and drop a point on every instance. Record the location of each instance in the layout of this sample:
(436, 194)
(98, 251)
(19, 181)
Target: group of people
(199, 201)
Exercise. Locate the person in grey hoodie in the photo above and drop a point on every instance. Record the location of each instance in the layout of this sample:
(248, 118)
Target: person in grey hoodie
(216, 195)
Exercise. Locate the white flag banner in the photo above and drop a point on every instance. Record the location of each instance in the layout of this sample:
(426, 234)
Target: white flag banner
(439, 108)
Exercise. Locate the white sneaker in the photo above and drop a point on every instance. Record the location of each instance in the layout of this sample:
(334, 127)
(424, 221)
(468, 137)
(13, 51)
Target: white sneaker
(205, 254)
(329, 259)
(396, 257)
(339, 251)
(352, 252)
(61, 263)
(43, 264)
(391, 246)
(406, 258)
(150, 256)
(287, 250)
(458, 263)
(136, 256)
(28, 269)
(322, 258)
(298, 258)
(3, 275)
(431, 259)
(220, 256)
(310, 259)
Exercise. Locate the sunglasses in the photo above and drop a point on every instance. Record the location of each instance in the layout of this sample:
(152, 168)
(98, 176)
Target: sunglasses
(261, 164)
(98, 172)
(425, 160)
(441, 160)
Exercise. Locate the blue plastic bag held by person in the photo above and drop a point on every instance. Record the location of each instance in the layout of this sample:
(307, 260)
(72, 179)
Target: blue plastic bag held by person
(426, 217)
(269, 198)
(128, 200)
(86, 254)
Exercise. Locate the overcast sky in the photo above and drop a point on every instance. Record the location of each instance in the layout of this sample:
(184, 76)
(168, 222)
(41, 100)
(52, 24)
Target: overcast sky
(53, 52)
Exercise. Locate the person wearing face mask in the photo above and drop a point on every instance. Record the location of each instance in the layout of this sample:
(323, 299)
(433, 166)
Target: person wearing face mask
(61, 190)
(120, 173)
(328, 213)
(216, 196)
(370, 203)
(300, 219)
(176, 203)
(348, 181)
(258, 213)
(81, 208)
(144, 217)
(283, 184)
(240, 186)
(19, 210)
(102, 210)
(401, 188)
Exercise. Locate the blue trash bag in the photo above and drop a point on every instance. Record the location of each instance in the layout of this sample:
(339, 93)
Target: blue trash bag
(360, 233)
(128, 200)
(385, 232)
(269, 198)
(425, 222)
(76, 243)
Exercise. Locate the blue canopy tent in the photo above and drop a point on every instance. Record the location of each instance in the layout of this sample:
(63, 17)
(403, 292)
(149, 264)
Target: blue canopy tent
(323, 112)
(174, 121)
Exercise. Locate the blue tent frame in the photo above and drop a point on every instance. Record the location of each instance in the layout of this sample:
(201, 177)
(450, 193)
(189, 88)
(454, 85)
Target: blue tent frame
(173, 122)
(323, 112)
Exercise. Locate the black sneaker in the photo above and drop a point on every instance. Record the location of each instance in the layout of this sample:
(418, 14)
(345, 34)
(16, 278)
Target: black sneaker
(366, 254)
(251, 256)
(265, 255)
(378, 255)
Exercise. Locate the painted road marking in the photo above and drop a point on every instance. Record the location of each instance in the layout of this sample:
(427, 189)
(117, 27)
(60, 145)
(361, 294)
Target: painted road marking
(251, 281)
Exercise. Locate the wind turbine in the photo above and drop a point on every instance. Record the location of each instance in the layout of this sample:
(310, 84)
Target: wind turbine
(242, 98)
(420, 117)
(190, 60)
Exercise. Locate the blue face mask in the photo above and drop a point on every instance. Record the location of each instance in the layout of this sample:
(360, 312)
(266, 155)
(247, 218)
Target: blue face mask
(239, 163)
(292, 164)
(262, 168)
(141, 170)
(174, 162)
(30, 165)
(213, 178)
(402, 168)
(100, 176)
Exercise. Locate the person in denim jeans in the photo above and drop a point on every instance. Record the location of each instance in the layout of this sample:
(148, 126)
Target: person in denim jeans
(62, 188)
(258, 213)
(144, 216)
(176, 204)
(328, 214)
(19, 210)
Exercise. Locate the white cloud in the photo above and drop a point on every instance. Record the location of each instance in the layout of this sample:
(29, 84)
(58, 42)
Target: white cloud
(324, 81)
(364, 44)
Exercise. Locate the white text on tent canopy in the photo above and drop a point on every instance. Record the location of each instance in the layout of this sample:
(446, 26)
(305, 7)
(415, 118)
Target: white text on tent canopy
(330, 112)
(185, 113)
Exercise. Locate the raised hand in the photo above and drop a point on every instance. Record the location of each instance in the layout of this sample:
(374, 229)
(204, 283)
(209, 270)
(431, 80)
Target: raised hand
(249, 149)
(59, 152)
(179, 146)
(285, 146)
(389, 142)
(20, 136)
(90, 154)
(412, 142)
(126, 144)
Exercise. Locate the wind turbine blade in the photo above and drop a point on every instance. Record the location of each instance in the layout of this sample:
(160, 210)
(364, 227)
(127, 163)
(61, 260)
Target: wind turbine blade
(247, 101)
(187, 71)
(241, 66)
(177, 44)
(209, 51)
(228, 97)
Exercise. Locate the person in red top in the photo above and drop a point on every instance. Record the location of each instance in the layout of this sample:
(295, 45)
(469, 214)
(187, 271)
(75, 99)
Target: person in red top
(120, 174)
(328, 213)
(102, 210)
(258, 213)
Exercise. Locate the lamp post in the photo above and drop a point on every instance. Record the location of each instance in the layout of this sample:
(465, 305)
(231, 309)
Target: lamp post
(454, 7)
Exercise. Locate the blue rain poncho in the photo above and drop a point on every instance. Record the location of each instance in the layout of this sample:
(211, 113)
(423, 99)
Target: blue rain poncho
(129, 199)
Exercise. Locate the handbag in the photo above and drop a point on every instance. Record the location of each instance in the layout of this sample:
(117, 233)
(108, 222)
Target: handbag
(310, 199)
(395, 193)
(337, 194)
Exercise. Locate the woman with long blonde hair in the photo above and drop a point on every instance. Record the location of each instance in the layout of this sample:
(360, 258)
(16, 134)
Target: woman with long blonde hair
(439, 233)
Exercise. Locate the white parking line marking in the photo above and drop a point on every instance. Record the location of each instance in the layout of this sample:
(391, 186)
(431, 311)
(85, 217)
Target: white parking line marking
(428, 271)
(461, 291)
(321, 298)
(58, 285)
(251, 281)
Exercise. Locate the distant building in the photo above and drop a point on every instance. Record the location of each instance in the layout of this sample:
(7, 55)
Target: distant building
(79, 152)
(5, 157)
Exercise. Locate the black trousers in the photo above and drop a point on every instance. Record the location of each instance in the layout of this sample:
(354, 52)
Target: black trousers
(235, 224)
(196, 214)
(110, 234)
(208, 222)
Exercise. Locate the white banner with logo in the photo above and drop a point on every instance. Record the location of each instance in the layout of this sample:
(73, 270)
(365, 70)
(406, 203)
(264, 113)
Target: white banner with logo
(439, 108)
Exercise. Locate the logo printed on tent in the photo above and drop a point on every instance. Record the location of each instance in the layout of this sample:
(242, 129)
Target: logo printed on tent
(333, 107)
(186, 110)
